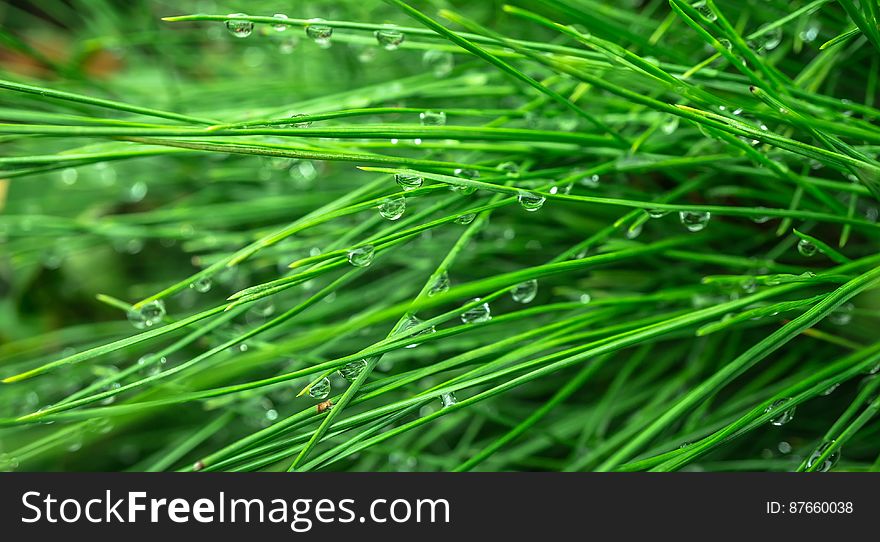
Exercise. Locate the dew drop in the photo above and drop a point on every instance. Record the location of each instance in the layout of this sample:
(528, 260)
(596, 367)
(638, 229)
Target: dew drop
(670, 125)
(8, 463)
(361, 256)
(530, 201)
(694, 221)
(525, 292)
(590, 181)
(829, 462)
(706, 11)
(148, 315)
(389, 39)
(320, 33)
(392, 208)
(440, 284)
(806, 248)
(412, 321)
(440, 63)
(830, 389)
(657, 213)
(238, 28)
(320, 389)
(303, 124)
(432, 118)
(477, 314)
(408, 181)
(564, 189)
(351, 371)
(201, 285)
(842, 315)
(150, 365)
(448, 399)
(783, 418)
(772, 39)
(466, 219)
(784, 447)
(280, 27)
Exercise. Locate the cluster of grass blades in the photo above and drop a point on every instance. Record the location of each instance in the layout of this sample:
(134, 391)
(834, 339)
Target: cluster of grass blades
(559, 235)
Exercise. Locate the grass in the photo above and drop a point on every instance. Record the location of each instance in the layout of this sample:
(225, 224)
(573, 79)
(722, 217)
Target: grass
(692, 189)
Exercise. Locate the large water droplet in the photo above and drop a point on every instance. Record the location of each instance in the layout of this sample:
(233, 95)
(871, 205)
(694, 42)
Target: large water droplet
(148, 315)
(785, 416)
(477, 314)
(466, 219)
(525, 292)
(320, 389)
(320, 33)
(392, 208)
(530, 201)
(432, 118)
(694, 221)
(239, 28)
(351, 371)
(361, 256)
(829, 462)
(408, 181)
(411, 322)
(201, 285)
(448, 399)
(772, 39)
(440, 284)
(388, 38)
(807, 248)
(440, 63)
(280, 27)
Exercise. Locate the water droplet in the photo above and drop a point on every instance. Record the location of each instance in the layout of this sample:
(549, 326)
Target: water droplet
(440, 285)
(830, 389)
(786, 415)
(304, 124)
(388, 38)
(809, 34)
(633, 232)
(320, 33)
(440, 63)
(408, 181)
(477, 314)
(238, 28)
(772, 39)
(392, 208)
(706, 11)
(148, 315)
(564, 189)
(806, 248)
(525, 292)
(466, 219)
(320, 389)
(694, 221)
(151, 365)
(508, 168)
(670, 125)
(842, 315)
(448, 399)
(280, 27)
(657, 213)
(361, 256)
(530, 201)
(829, 462)
(136, 192)
(8, 463)
(432, 118)
(411, 322)
(201, 285)
(351, 371)
(784, 447)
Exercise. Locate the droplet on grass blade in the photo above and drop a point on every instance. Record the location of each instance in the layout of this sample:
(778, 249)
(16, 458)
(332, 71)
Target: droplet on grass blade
(320, 33)
(388, 38)
(466, 219)
(694, 221)
(237, 27)
(530, 201)
(148, 315)
(392, 208)
(477, 314)
(412, 321)
(280, 27)
(786, 414)
(361, 256)
(525, 292)
(320, 389)
(201, 285)
(432, 118)
(828, 463)
(440, 285)
(352, 370)
(807, 248)
(448, 399)
(408, 181)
